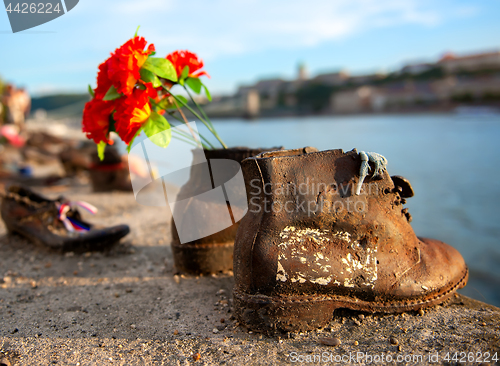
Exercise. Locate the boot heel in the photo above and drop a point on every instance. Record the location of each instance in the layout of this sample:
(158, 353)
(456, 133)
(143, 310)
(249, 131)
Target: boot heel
(203, 258)
(266, 314)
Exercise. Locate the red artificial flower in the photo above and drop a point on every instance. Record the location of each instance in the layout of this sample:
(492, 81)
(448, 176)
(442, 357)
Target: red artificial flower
(133, 111)
(103, 81)
(95, 122)
(122, 68)
(181, 59)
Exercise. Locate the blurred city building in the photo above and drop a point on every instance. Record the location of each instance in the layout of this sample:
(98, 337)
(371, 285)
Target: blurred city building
(452, 81)
(477, 62)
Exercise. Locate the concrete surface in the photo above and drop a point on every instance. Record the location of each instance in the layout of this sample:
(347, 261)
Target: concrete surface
(128, 307)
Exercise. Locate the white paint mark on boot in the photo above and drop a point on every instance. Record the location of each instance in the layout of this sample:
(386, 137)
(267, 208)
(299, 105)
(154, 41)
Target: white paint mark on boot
(303, 265)
(322, 280)
(299, 278)
(281, 274)
(365, 266)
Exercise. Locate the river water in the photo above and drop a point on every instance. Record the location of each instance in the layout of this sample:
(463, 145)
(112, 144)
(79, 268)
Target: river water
(451, 160)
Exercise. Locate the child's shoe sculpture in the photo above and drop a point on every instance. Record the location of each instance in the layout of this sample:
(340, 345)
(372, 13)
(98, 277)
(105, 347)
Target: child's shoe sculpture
(309, 244)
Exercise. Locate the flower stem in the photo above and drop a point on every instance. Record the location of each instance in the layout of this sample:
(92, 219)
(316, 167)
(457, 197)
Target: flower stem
(198, 106)
(210, 146)
(211, 129)
(206, 117)
(187, 138)
(185, 119)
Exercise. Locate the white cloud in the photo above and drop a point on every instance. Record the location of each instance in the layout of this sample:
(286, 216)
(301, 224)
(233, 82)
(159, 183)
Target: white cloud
(214, 29)
(223, 27)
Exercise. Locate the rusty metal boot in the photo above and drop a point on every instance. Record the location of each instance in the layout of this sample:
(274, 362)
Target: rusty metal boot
(309, 244)
(211, 253)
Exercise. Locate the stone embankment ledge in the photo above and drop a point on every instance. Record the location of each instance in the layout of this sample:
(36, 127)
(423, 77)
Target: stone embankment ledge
(128, 307)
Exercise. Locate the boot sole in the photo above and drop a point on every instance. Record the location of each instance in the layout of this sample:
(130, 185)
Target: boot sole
(268, 314)
(78, 247)
(203, 258)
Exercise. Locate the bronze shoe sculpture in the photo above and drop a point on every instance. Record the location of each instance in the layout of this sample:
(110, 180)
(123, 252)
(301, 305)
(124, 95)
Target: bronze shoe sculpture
(110, 174)
(309, 244)
(213, 253)
(55, 224)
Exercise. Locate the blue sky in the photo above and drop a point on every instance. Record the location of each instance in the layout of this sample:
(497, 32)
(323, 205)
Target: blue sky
(244, 40)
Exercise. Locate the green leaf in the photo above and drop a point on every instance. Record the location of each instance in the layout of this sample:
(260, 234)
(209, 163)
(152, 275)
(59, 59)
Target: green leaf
(149, 77)
(209, 96)
(158, 130)
(91, 92)
(165, 104)
(185, 72)
(161, 67)
(131, 143)
(136, 31)
(195, 84)
(101, 146)
(112, 94)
